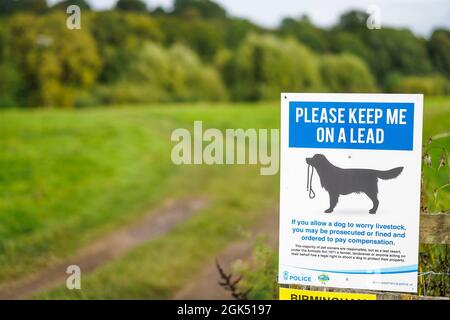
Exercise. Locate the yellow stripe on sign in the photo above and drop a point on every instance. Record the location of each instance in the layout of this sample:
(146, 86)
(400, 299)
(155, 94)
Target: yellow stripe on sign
(296, 294)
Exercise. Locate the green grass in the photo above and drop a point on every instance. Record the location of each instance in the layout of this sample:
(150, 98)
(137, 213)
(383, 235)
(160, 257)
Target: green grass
(161, 267)
(437, 121)
(67, 178)
(70, 177)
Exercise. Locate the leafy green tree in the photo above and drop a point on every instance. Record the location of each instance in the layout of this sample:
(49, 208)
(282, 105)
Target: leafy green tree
(11, 85)
(199, 8)
(131, 5)
(386, 50)
(8, 7)
(191, 80)
(343, 41)
(305, 32)
(54, 62)
(159, 11)
(236, 30)
(264, 66)
(204, 37)
(346, 73)
(126, 56)
(439, 50)
(119, 37)
(160, 74)
(396, 51)
(63, 5)
(353, 21)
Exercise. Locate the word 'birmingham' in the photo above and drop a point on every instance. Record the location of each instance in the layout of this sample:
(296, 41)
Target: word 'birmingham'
(237, 146)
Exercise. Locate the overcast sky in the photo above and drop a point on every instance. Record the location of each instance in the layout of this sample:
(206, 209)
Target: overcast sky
(421, 16)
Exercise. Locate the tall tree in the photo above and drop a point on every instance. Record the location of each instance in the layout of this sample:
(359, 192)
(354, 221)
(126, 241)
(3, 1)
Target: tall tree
(131, 5)
(353, 21)
(306, 32)
(439, 50)
(54, 62)
(8, 7)
(65, 3)
(202, 8)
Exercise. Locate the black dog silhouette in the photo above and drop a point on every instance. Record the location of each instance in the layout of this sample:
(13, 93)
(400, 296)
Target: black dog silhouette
(338, 181)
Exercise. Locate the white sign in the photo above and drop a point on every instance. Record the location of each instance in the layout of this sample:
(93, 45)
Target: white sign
(350, 190)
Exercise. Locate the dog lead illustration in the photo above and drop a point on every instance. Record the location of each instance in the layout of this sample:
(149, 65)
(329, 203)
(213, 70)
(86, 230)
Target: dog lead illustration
(338, 181)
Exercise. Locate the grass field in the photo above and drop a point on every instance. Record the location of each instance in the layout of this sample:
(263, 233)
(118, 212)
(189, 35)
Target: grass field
(69, 177)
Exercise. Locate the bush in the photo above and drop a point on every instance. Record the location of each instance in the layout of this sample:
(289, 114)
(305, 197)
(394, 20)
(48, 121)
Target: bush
(346, 73)
(265, 66)
(259, 276)
(430, 85)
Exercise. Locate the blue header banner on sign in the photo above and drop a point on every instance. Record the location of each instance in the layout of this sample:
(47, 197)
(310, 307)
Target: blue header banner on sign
(351, 125)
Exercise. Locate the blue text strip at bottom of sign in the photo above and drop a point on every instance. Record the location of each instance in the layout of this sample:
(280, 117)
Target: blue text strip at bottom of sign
(351, 125)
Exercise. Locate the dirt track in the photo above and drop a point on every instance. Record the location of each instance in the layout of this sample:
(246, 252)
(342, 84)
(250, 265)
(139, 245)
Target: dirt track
(205, 284)
(154, 224)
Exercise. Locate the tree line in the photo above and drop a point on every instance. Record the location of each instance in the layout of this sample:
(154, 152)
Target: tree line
(197, 51)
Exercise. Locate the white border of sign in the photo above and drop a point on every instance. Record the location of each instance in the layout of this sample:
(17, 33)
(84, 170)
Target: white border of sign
(303, 267)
